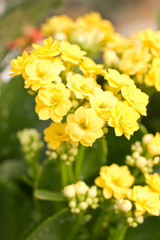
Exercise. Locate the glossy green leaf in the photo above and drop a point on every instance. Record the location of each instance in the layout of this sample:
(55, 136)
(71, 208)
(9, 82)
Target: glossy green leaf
(93, 158)
(49, 196)
(60, 226)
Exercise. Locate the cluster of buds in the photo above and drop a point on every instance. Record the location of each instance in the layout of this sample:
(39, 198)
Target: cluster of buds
(81, 196)
(135, 220)
(123, 205)
(66, 152)
(140, 157)
(31, 144)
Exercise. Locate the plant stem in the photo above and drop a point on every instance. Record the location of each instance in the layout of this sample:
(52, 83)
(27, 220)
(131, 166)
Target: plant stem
(118, 233)
(63, 173)
(70, 173)
(79, 161)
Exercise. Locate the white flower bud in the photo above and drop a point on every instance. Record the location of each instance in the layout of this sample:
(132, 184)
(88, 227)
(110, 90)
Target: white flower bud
(83, 205)
(71, 158)
(147, 138)
(53, 155)
(140, 219)
(72, 204)
(69, 191)
(156, 160)
(130, 160)
(94, 206)
(92, 192)
(73, 151)
(125, 205)
(81, 188)
(89, 201)
(75, 210)
(137, 143)
(141, 162)
(134, 224)
(135, 155)
(129, 219)
(64, 157)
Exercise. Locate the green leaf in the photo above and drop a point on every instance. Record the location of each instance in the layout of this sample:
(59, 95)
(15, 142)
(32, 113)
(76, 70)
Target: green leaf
(16, 113)
(18, 215)
(49, 196)
(12, 169)
(48, 178)
(60, 226)
(93, 158)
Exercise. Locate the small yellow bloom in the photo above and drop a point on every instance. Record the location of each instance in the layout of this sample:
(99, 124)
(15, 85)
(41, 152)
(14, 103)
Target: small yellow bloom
(154, 145)
(135, 60)
(89, 67)
(153, 181)
(56, 25)
(124, 119)
(81, 86)
(53, 102)
(115, 181)
(84, 126)
(49, 49)
(43, 72)
(145, 200)
(117, 80)
(19, 64)
(135, 98)
(102, 102)
(153, 76)
(55, 134)
(71, 52)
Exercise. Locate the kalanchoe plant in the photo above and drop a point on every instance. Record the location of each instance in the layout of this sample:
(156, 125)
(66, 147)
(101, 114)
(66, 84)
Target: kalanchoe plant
(75, 189)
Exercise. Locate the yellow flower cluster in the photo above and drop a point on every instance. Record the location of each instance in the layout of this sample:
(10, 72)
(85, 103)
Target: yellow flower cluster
(61, 75)
(90, 32)
(116, 182)
(138, 56)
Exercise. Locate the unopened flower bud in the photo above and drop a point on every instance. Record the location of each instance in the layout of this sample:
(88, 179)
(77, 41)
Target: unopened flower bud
(125, 205)
(81, 188)
(69, 191)
(140, 219)
(141, 162)
(135, 155)
(92, 192)
(147, 138)
(64, 156)
(83, 205)
(72, 204)
(156, 160)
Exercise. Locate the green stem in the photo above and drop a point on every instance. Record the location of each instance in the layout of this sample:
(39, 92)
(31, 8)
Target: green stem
(118, 233)
(63, 174)
(70, 173)
(77, 226)
(79, 161)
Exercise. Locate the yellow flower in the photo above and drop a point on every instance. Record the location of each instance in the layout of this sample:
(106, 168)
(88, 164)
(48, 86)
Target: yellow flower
(84, 126)
(115, 181)
(117, 80)
(57, 25)
(154, 145)
(135, 60)
(81, 86)
(124, 119)
(49, 49)
(153, 76)
(55, 134)
(53, 102)
(71, 52)
(145, 200)
(19, 64)
(89, 67)
(135, 98)
(102, 102)
(153, 181)
(43, 72)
